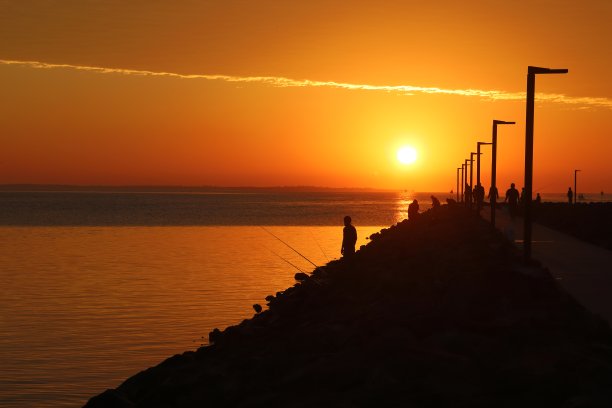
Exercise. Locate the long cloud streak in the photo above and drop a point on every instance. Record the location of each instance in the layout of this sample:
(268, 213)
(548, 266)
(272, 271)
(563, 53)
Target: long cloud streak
(282, 82)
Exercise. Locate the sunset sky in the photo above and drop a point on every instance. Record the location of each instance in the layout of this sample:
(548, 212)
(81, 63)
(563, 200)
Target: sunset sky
(321, 93)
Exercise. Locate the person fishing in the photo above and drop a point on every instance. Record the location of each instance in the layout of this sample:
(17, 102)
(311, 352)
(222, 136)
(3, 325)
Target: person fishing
(349, 238)
(435, 203)
(413, 210)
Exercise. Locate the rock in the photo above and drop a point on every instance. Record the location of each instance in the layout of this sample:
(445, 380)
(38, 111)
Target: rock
(300, 276)
(421, 317)
(109, 398)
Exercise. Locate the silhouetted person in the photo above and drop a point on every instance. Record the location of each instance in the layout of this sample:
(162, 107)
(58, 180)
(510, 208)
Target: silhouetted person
(468, 195)
(435, 203)
(522, 199)
(512, 197)
(493, 193)
(349, 238)
(570, 195)
(479, 196)
(538, 199)
(413, 210)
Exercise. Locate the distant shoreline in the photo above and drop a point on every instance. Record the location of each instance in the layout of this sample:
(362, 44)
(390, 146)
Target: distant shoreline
(182, 189)
(66, 188)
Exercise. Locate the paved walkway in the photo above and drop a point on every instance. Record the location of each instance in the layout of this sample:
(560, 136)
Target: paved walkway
(582, 269)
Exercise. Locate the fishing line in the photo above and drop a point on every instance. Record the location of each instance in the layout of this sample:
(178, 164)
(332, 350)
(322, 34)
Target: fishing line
(289, 246)
(284, 259)
(317, 242)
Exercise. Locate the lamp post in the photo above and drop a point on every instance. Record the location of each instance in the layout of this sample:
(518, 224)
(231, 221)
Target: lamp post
(480, 189)
(478, 160)
(463, 191)
(458, 168)
(493, 191)
(472, 177)
(531, 73)
(575, 189)
(462, 176)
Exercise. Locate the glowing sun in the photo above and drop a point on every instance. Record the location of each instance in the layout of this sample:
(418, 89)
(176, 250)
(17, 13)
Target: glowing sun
(407, 155)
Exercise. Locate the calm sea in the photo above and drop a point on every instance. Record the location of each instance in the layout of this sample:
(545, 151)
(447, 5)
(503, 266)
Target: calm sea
(98, 286)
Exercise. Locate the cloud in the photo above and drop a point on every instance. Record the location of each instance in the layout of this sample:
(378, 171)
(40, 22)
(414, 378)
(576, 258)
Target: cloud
(282, 82)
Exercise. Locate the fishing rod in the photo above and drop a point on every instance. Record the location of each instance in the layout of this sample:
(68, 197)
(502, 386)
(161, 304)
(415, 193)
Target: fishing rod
(317, 242)
(286, 260)
(289, 246)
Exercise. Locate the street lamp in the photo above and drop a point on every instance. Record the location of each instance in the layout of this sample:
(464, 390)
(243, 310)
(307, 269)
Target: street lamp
(472, 176)
(575, 190)
(478, 160)
(493, 191)
(531, 73)
(480, 195)
(464, 181)
(458, 168)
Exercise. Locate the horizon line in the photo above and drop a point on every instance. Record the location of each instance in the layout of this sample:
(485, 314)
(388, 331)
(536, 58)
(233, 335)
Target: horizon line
(21, 188)
(284, 82)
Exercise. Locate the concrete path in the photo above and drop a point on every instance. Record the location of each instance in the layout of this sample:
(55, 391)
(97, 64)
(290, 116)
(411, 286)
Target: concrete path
(582, 269)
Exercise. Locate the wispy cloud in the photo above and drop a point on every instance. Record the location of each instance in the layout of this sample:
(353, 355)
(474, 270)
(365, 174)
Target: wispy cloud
(283, 82)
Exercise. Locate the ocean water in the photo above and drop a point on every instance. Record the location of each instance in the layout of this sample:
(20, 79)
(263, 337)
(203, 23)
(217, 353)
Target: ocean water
(99, 286)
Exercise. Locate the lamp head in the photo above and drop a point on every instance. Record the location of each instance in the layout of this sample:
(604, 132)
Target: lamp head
(539, 70)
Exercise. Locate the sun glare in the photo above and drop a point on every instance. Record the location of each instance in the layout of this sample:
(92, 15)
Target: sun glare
(407, 155)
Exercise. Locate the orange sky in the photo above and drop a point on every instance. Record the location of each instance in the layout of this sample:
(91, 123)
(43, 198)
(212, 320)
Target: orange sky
(87, 126)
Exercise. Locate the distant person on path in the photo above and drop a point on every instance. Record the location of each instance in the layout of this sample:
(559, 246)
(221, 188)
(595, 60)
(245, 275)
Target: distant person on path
(349, 238)
(468, 195)
(493, 194)
(413, 210)
(479, 195)
(435, 203)
(570, 195)
(512, 197)
(538, 199)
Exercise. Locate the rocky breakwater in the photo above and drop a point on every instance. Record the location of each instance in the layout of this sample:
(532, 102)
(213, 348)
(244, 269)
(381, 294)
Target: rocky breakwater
(431, 313)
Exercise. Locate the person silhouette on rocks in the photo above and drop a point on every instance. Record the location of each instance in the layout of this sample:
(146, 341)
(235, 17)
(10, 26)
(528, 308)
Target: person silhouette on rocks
(435, 203)
(349, 238)
(413, 210)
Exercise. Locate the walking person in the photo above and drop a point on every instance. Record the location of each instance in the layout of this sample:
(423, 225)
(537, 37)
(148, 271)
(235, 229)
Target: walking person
(479, 195)
(570, 195)
(512, 198)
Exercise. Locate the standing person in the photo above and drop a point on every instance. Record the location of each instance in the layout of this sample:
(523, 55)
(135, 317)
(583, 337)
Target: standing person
(570, 195)
(349, 238)
(468, 195)
(493, 194)
(479, 195)
(413, 210)
(512, 197)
